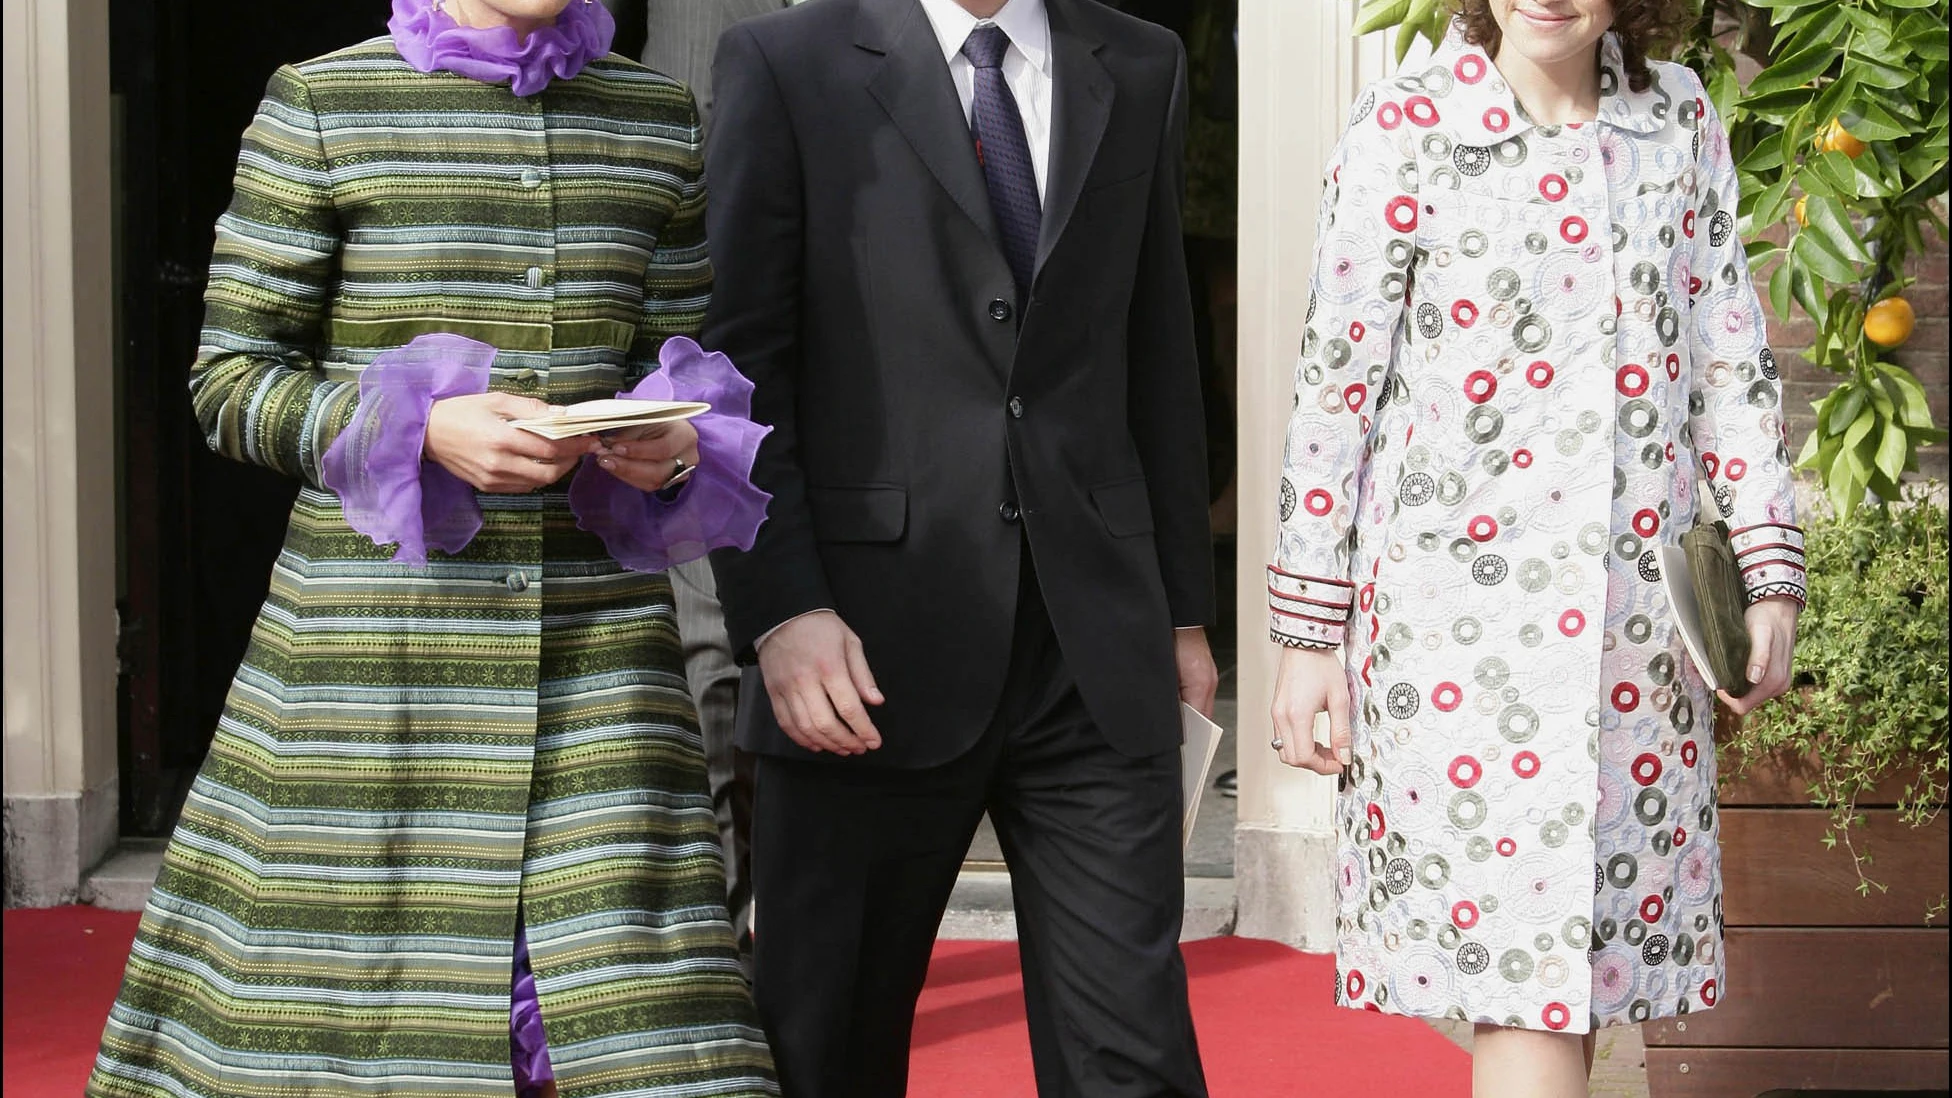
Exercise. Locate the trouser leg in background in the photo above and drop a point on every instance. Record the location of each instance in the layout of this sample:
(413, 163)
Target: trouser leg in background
(714, 680)
(1092, 839)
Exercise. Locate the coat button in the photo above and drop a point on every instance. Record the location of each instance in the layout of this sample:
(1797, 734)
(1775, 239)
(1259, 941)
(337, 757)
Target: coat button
(531, 178)
(1016, 407)
(534, 278)
(525, 375)
(999, 310)
(1008, 512)
(517, 582)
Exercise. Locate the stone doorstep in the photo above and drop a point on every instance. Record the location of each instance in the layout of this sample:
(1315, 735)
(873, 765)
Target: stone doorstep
(123, 880)
(980, 909)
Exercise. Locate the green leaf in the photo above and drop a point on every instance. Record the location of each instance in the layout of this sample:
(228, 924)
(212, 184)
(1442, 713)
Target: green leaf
(1795, 70)
(1893, 451)
(1377, 14)
(1928, 44)
(1829, 220)
(1779, 295)
(1821, 260)
(1845, 488)
(1777, 106)
(1765, 206)
(1869, 122)
(1766, 156)
(1759, 250)
(1884, 3)
(1848, 402)
(1914, 410)
(1836, 95)
(1802, 286)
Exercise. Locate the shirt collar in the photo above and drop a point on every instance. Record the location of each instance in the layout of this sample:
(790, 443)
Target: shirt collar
(1024, 21)
(1480, 107)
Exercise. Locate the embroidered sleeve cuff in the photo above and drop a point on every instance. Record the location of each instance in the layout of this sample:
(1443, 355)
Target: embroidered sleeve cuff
(1308, 611)
(1770, 556)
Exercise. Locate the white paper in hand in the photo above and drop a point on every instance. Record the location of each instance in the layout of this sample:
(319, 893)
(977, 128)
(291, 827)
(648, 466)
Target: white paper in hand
(1199, 739)
(596, 416)
(1677, 579)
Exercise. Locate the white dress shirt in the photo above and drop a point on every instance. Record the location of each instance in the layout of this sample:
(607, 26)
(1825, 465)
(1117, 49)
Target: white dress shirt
(1026, 66)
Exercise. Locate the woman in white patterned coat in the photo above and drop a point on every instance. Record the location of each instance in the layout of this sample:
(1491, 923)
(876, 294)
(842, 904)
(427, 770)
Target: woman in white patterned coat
(1531, 332)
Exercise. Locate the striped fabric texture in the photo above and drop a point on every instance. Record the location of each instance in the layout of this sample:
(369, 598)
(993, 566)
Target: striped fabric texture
(412, 759)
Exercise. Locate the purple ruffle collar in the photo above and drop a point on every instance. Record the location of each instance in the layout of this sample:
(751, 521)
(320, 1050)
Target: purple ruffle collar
(429, 39)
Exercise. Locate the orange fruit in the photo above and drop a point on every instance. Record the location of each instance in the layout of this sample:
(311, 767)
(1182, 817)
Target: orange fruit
(1838, 139)
(1889, 322)
(1802, 211)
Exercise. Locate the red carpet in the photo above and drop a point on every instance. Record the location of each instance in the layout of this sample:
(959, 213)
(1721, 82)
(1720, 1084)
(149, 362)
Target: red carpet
(1267, 1027)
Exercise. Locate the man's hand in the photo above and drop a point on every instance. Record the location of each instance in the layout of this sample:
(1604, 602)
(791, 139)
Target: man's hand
(1772, 643)
(469, 436)
(816, 673)
(1308, 682)
(1199, 679)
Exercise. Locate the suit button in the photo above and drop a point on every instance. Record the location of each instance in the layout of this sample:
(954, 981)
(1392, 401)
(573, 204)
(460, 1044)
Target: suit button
(534, 278)
(1016, 407)
(517, 582)
(999, 310)
(525, 376)
(531, 178)
(1008, 512)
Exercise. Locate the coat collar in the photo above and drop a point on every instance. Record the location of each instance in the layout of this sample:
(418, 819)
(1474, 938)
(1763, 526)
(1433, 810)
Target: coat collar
(1475, 103)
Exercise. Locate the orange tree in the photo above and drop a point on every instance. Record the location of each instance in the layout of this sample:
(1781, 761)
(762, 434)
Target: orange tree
(1841, 132)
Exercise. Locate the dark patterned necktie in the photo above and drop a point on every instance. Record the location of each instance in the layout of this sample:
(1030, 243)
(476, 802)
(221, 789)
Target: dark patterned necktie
(1004, 153)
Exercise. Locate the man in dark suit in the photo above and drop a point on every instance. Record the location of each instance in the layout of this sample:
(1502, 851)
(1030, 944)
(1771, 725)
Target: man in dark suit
(947, 240)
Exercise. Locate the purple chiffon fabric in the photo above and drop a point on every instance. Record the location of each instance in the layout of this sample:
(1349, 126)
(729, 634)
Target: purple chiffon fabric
(528, 1048)
(388, 492)
(429, 39)
(718, 507)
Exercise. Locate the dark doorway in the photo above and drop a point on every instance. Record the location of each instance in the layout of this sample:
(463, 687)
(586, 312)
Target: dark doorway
(199, 533)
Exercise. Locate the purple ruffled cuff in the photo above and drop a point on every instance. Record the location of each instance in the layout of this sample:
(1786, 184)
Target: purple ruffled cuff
(388, 492)
(719, 507)
(528, 1047)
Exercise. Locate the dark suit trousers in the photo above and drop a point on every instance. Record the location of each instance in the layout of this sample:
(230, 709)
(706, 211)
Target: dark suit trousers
(853, 866)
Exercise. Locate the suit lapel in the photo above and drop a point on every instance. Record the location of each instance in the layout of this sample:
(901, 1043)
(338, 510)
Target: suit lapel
(1081, 101)
(913, 85)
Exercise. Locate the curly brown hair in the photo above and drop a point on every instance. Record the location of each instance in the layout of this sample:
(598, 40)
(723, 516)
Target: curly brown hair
(1646, 28)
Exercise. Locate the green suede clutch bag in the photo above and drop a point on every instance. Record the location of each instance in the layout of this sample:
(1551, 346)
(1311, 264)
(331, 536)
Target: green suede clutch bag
(1722, 602)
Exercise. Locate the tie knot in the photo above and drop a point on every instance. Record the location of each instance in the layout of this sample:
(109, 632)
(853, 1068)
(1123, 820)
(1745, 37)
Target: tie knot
(985, 46)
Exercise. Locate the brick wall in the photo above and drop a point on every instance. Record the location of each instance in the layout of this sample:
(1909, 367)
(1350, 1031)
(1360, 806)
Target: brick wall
(1924, 355)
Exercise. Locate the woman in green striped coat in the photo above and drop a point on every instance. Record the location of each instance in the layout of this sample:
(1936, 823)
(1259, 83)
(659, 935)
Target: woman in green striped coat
(420, 764)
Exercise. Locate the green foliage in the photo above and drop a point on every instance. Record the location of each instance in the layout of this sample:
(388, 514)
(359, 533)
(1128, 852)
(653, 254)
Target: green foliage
(1878, 67)
(1871, 700)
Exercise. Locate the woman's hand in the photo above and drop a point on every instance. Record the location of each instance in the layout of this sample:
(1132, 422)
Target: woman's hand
(469, 436)
(1772, 642)
(1308, 682)
(646, 458)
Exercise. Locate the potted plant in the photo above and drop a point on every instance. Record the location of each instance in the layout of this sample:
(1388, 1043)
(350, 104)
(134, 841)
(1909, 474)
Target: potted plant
(1834, 838)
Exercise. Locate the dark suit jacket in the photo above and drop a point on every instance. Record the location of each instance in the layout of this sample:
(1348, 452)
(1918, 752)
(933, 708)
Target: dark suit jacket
(926, 423)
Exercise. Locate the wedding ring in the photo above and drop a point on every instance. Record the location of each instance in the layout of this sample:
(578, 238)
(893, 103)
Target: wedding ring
(681, 471)
(1277, 743)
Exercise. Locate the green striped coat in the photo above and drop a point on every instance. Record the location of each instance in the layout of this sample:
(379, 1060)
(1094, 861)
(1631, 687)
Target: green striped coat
(411, 758)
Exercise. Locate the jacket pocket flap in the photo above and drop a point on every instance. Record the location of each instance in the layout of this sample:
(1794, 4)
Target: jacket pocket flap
(1125, 507)
(869, 513)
